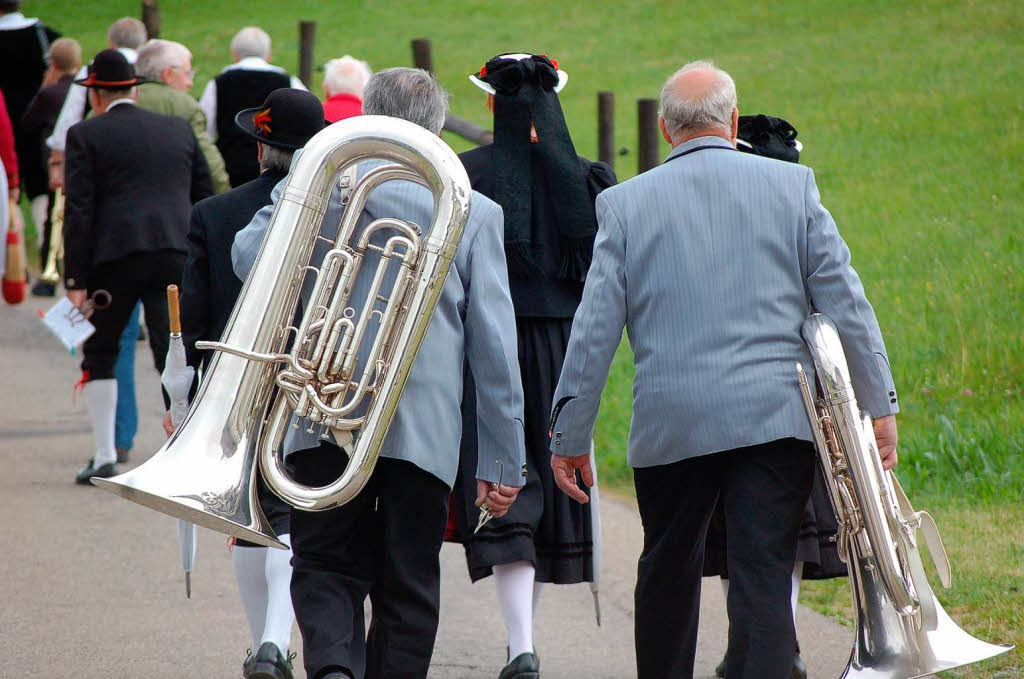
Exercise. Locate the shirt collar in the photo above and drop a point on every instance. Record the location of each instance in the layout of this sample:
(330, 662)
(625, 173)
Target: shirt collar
(254, 64)
(709, 140)
(16, 21)
(118, 102)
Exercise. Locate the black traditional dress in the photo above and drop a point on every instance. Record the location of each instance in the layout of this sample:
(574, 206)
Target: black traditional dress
(547, 195)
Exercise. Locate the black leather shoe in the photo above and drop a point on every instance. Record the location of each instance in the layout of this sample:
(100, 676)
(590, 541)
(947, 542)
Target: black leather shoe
(720, 668)
(269, 663)
(41, 289)
(104, 471)
(523, 666)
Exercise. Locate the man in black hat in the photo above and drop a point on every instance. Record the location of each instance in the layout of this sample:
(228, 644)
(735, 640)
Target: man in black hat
(132, 177)
(282, 124)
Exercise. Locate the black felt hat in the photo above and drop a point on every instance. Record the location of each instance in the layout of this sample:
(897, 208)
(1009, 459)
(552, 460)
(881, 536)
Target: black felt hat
(768, 136)
(110, 71)
(286, 120)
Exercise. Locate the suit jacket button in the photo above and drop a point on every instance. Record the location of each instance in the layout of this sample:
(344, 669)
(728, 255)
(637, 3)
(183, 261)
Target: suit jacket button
(558, 442)
(892, 400)
(558, 435)
(892, 393)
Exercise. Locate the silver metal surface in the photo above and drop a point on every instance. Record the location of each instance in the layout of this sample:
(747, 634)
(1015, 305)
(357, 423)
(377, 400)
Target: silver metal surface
(205, 472)
(55, 255)
(901, 629)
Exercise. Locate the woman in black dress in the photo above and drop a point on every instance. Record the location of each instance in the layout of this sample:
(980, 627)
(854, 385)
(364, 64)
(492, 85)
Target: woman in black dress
(547, 193)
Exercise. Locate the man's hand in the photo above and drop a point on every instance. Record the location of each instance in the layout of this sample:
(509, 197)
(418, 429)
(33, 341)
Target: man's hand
(564, 469)
(498, 500)
(885, 436)
(77, 297)
(55, 167)
(168, 427)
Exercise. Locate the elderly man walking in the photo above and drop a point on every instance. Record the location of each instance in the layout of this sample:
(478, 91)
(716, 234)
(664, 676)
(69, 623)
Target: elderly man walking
(132, 178)
(712, 262)
(244, 84)
(167, 65)
(385, 543)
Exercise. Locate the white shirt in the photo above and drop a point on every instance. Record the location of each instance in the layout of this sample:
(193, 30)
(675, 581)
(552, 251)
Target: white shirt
(74, 105)
(118, 102)
(15, 21)
(208, 102)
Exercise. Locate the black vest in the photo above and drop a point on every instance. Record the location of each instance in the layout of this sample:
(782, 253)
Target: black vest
(237, 89)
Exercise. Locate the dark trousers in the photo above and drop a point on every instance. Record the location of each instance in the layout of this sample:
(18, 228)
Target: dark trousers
(764, 489)
(144, 276)
(383, 544)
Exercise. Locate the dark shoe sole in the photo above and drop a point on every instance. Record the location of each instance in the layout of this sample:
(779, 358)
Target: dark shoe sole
(266, 671)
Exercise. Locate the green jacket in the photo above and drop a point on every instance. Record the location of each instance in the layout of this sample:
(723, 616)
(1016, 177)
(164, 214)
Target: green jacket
(159, 97)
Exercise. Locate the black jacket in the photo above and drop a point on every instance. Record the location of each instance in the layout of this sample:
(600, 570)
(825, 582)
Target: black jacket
(209, 286)
(537, 296)
(132, 177)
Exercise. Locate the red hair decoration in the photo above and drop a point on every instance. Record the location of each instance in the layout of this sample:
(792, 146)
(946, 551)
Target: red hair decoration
(483, 71)
(554, 62)
(262, 120)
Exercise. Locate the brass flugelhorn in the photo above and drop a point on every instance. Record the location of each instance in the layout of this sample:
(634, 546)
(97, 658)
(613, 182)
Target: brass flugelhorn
(901, 628)
(55, 253)
(205, 472)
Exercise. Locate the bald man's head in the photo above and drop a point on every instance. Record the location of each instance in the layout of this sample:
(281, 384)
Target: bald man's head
(698, 98)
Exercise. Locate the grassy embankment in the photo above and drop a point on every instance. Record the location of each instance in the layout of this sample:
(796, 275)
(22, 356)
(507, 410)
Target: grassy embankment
(910, 114)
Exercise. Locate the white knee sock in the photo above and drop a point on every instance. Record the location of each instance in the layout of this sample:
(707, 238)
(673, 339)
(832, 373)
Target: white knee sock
(280, 615)
(40, 206)
(537, 588)
(725, 588)
(514, 582)
(250, 574)
(798, 573)
(101, 399)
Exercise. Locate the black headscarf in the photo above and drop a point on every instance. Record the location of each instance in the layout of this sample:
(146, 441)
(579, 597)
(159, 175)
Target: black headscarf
(524, 92)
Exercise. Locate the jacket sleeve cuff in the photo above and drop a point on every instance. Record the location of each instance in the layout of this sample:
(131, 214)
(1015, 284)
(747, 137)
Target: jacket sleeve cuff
(507, 464)
(568, 437)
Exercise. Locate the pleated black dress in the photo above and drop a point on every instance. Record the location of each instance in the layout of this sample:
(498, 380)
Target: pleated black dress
(544, 526)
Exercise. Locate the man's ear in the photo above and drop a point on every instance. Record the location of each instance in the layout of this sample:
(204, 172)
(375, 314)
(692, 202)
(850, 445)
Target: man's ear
(664, 130)
(735, 126)
(259, 152)
(165, 75)
(490, 103)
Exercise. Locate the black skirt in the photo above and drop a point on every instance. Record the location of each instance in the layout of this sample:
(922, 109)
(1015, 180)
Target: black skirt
(544, 526)
(815, 545)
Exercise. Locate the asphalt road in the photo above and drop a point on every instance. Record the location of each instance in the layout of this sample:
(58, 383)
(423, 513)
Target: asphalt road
(90, 586)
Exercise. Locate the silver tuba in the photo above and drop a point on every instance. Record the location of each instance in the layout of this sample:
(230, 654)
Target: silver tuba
(315, 369)
(901, 629)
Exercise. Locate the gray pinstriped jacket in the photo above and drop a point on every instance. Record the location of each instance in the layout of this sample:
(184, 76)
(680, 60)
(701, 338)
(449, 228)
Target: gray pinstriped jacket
(711, 262)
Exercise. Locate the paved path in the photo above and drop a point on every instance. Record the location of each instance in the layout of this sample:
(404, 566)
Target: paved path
(90, 588)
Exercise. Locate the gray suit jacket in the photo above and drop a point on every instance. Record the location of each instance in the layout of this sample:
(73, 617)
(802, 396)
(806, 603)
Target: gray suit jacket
(474, 321)
(712, 262)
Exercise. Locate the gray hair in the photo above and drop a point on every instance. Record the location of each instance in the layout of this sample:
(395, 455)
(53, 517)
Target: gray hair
(251, 41)
(408, 93)
(346, 75)
(156, 55)
(275, 158)
(127, 32)
(692, 111)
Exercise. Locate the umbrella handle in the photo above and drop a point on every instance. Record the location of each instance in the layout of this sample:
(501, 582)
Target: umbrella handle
(173, 309)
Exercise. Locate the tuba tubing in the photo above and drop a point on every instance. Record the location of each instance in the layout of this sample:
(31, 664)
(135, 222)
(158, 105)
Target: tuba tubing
(901, 629)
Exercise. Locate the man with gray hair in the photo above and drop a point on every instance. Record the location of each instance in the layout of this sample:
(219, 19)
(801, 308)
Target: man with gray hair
(725, 254)
(167, 65)
(344, 82)
(244, 84)
(385, 543)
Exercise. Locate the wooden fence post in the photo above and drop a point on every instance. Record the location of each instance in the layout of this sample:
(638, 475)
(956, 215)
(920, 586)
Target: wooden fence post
(647, 134)
(421, 55)
(606, 128)
(307, 30)
(151, 17)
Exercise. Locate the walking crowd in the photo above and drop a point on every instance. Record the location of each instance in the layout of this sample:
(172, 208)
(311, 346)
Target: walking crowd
(709, 262)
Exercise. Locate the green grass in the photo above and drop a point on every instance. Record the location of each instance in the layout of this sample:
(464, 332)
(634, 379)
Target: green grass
(910, 113)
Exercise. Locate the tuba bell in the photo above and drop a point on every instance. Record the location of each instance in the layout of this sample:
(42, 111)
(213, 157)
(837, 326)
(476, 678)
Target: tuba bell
(338, 366)
(901, 628)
